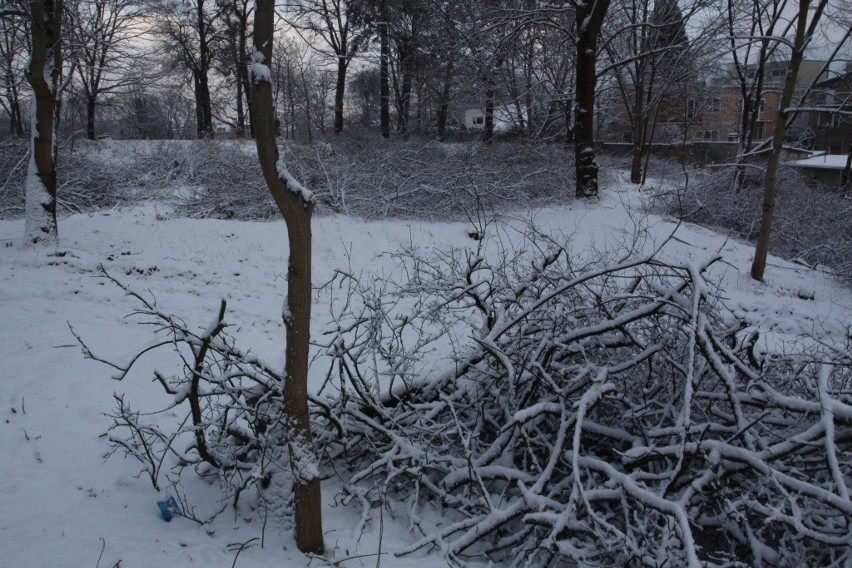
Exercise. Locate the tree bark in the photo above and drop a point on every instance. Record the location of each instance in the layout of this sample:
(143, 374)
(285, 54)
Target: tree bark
(91, 105)
(339, 93)
(589, 20)
(296, 206)
(43, 75)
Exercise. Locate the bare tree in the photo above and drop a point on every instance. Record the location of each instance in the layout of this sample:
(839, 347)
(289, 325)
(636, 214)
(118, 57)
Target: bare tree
(649, 54)
(232, 54)
(188, 33)
(338, 24)
(14, 40)
(296, 204)
(100, 36)
(806, 20)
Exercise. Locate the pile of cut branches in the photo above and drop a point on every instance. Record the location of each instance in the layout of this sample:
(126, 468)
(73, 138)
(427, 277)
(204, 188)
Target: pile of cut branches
(602, 412)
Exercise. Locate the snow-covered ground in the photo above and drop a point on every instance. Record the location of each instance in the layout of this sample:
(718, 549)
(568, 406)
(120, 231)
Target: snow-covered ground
(63, 504)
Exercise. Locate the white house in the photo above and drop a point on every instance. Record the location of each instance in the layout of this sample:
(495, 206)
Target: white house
(474, 119)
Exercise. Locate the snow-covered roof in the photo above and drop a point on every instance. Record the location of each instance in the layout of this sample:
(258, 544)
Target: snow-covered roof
(822, 162)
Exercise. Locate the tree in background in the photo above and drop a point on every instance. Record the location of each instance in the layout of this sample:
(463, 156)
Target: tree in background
(187, 30)
(100, 36)
(339, 25)
(14, 44)
(648, 54)
(296, 205)
(231, 55)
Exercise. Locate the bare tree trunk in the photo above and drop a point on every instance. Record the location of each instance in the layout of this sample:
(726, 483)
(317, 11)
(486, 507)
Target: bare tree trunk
(204, 110)
(241, 117)
(589, 20)
(444, 109)
(405, 95)
(803, 34)
(638, 136)
(488, 133)
(43, 75)
(296, 206)
(384, 77)
(339, 92)
(91, 105)
(16, 125)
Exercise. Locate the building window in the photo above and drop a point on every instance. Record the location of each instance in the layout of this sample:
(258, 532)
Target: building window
(627, 137)
(733, 137)
(779, 72)
(692, 108)
(715, 104)
(753, 106)
(479, 120)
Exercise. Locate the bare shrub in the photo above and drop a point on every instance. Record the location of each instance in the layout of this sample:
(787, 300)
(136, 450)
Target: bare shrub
(373, 178)
(230, 424)
(811, 224)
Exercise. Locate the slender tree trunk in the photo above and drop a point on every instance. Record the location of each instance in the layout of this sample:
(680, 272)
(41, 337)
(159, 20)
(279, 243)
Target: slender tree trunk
(638, 138)
(844, 177)
(242, 71)
(296, 206)
(384, 78)
(339, 93)
(43, 74)
(589, 20)
(405, 95)
(488, 133)
(566, 114)
(241, 118)
(800, 42)
(91, 105)
(202, 89)
(444, 110)
(16, 126)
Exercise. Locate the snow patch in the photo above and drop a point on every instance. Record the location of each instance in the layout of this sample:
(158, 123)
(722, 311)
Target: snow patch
(259, 70)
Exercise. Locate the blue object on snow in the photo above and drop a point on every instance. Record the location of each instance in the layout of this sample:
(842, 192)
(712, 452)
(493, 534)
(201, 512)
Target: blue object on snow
(169, 508)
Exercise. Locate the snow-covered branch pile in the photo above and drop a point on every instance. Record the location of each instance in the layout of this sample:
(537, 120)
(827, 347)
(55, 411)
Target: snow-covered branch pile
(602, 412)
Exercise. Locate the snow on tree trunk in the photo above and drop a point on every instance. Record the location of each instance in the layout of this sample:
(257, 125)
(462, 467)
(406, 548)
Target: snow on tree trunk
(43, 75)
(296, 205)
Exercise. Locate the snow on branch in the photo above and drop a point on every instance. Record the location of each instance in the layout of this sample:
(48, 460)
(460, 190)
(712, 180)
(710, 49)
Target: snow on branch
(595, 413)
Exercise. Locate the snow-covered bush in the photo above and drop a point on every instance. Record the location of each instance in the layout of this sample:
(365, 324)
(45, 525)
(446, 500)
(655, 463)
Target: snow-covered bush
(604, 412)
(366, 177)
(811, 224)
(374, 178)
